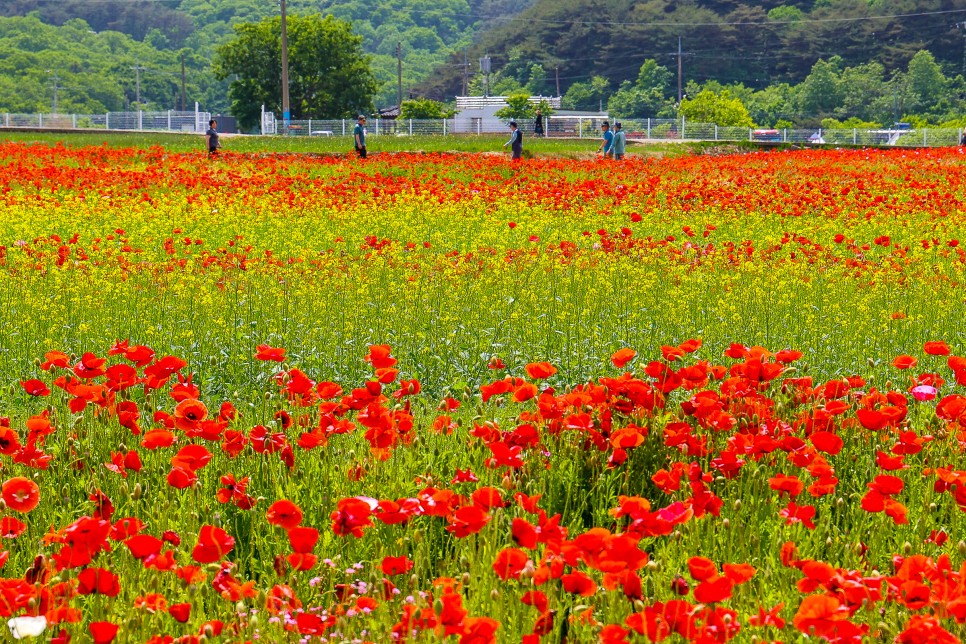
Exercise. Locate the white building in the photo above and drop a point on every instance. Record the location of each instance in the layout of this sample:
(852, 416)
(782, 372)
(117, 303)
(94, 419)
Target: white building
(475, 114)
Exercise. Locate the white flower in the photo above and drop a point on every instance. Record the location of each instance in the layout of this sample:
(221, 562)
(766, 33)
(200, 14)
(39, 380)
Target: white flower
(21, 627)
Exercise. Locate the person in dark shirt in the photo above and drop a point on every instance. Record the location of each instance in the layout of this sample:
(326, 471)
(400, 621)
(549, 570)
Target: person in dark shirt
(538, 124)
(211, 137)
(359, 136)
(515, 142)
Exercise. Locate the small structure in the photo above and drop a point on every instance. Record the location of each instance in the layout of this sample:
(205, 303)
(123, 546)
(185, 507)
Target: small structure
(476, 114)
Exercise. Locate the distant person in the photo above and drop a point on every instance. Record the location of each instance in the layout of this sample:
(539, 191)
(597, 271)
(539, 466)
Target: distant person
(620, 141)
(515, 142)
(359, 134)
(607, 147)
(538, 124)
(962, 139)
(211, 137)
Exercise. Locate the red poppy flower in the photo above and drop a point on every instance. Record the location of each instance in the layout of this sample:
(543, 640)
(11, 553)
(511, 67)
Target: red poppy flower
(98, 580)
(936, 348)
(180, 478)
(509, 563)
(103, 632)
(213, 544)
(265, 352)
(904, 362)
(714, 590)
(702, 568)
(379, 357)
(525, 392)
(488, 497)
(35, 387)
(578, 583)
(468, 520)
(540, 370)
(621, 357)
(396, 565)
(352, 516)
(11, 527)
(284, 514)
(20, 494)
(188, 413)
(180, 612)
(303, 539)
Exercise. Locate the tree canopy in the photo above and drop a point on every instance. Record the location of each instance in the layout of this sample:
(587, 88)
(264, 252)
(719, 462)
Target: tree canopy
(329, 75)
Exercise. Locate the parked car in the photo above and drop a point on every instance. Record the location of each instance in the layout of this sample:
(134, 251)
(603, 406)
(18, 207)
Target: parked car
(766, 135)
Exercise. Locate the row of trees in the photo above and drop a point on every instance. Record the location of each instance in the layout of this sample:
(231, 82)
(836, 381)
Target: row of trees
(756, 44)
(830, 92)
(426, 32)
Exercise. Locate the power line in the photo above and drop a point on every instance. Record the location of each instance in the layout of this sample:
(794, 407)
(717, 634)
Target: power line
(643, 23)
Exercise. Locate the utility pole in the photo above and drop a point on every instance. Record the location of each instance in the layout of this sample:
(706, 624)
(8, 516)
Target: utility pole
(286, 112)
(399, 73)
(485, 68)
(556, 71)
(962, 25)
(54, 79)
(184, 98)
(680, 95)
(137, 83)
(466, 73)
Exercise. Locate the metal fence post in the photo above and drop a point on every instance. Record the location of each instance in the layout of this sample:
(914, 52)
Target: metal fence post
(343, 127)
(581, 133)
(169, 120)
(73, 121)
(649, 127)
(107, 121)
(410, 127)
(6, 119)
(855, 134)
(682, 128)
(310, 127)
(715, 131)
(925, 133)
(444, 127)
(785, 135)
(140, 122)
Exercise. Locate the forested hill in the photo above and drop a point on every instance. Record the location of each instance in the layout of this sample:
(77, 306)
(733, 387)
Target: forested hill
(725, 40)
(427, 30)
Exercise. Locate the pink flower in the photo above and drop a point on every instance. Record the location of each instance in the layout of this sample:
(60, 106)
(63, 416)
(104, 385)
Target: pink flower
(923, 392)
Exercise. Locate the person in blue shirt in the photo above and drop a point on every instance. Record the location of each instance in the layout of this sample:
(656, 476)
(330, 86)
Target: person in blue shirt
(607, 147)
(619, 145)
(359, 136)
(515, 142)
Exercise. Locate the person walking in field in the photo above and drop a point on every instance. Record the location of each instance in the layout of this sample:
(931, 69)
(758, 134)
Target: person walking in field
(620, 141)
(962, 139)
(607, 147)
(211, 138)
(359, 135)
(538, 124)
(515, 142)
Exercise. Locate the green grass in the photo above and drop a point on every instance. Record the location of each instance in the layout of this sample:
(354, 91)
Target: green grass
(337, 144)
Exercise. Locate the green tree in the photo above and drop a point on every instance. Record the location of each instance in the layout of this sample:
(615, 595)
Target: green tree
(646, 97)
(329, 76)
(821, 92)
(587, 96)
(519, 107)
(424, 108)
(721, 108)
(926, 82)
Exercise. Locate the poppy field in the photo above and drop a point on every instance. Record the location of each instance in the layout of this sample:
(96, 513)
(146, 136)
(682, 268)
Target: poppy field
(439, 397)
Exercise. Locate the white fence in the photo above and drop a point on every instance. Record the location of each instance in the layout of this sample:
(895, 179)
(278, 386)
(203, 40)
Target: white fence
(170, 121)
(587, 127)
(640, 129)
